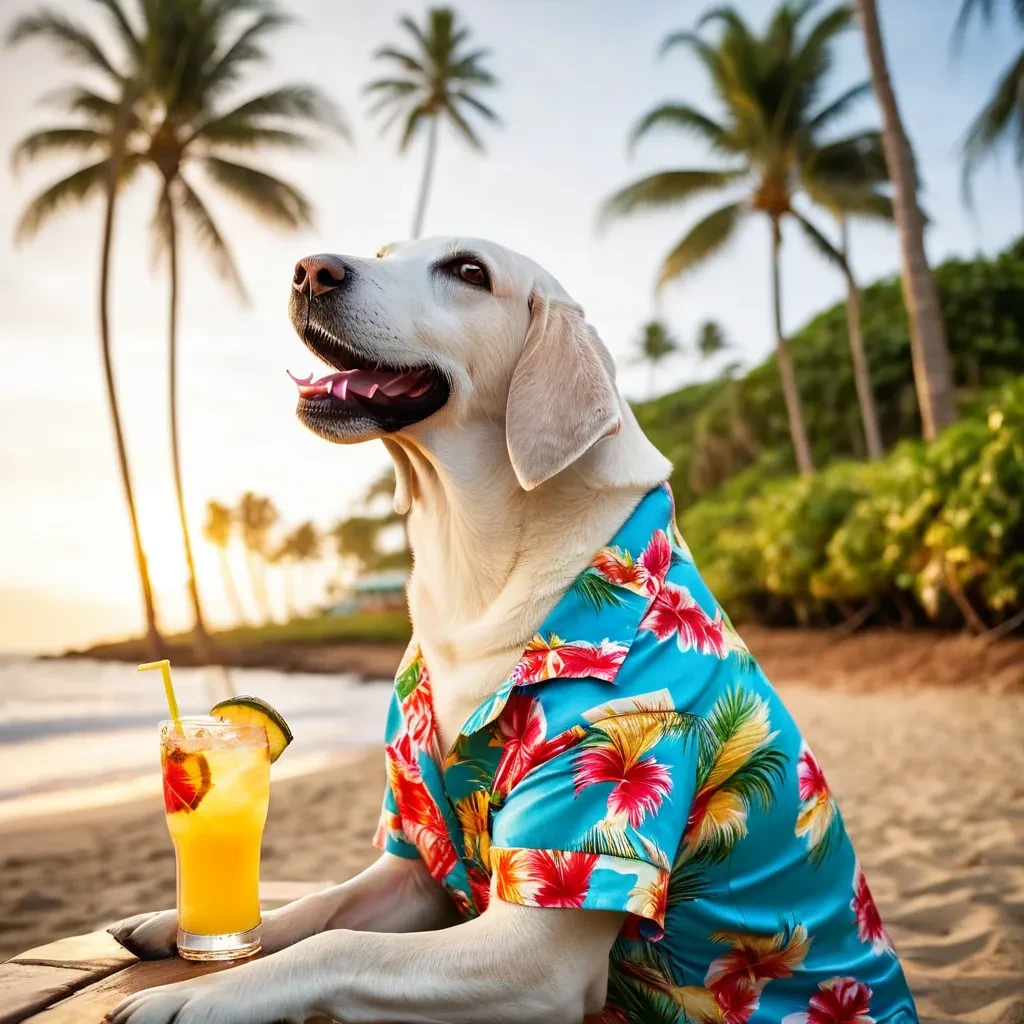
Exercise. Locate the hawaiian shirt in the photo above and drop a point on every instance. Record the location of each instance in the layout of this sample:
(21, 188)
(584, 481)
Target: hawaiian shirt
(636, 759)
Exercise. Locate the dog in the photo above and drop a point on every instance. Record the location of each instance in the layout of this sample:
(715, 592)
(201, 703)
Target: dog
(597, 807)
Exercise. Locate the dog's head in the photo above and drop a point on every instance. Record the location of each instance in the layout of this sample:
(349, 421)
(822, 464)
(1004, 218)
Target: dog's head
(441, 333)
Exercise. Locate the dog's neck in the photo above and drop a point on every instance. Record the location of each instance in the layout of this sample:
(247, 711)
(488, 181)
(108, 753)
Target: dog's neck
(490, 559)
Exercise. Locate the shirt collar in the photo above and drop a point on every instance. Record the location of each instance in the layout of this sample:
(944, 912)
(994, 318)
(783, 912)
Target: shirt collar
(589, 633)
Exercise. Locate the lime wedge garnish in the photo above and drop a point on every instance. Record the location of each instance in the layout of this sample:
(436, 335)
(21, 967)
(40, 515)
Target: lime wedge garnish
(245, 710)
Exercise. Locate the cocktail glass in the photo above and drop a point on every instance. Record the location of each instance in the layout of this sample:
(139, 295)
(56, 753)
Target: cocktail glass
(216, 794)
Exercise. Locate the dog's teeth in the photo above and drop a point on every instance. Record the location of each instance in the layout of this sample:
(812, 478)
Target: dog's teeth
(330, 386)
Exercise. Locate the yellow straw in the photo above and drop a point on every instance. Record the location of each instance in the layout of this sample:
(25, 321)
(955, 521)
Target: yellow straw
(165, 671)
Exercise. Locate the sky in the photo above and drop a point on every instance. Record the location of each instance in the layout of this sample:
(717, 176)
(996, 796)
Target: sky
(575, 75)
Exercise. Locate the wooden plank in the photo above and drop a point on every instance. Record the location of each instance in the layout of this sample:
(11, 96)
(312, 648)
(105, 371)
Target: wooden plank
(26, 989)
(91, 1004)
(97, 953)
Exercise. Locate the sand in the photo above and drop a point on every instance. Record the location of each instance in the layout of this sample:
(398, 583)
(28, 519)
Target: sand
(931, 781)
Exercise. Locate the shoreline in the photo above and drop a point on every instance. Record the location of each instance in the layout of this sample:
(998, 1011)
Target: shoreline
(366, 661)
(864, 661)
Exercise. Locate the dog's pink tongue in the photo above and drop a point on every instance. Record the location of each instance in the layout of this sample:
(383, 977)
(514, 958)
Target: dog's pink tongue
(363, 382)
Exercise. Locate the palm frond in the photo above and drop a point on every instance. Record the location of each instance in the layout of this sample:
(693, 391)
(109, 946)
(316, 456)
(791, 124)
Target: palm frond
(464, 128)
(123, 27)
(687, 882)
(397, 86)
(481, 108)
(594, 590)
(73, 189)
(610, 842)
(681, 115)
(292, 102)
(209, 237)
(414, 30)
(226, 69)
(704, 239)
(269, 198)
(78, 100)
(666, 188)
(75, 42)
(821, 244)
(1002, 118)
(415, 118)
(758, 780)
(839, 106)
(406, 60)
(50, 141)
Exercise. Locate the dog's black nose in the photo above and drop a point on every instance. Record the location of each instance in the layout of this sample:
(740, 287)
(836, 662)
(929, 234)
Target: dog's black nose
(319, 274)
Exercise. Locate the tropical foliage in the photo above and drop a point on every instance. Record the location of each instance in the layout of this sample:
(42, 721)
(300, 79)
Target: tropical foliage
(932, 534)
(440, 77)
(715, 431)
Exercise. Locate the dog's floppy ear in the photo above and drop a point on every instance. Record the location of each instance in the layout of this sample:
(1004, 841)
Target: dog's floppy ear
(561, 400)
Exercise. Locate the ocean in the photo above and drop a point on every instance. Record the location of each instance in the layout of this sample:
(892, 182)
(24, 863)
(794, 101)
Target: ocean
(79, 733)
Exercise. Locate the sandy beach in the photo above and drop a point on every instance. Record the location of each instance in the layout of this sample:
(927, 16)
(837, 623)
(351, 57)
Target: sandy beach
(931, 782)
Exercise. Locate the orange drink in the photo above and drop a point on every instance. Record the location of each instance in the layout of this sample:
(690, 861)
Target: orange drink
(216, 792)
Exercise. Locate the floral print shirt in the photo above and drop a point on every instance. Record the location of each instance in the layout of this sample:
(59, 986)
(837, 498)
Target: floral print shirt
(636, 759)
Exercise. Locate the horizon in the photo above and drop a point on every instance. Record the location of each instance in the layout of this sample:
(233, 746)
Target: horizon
(68, 575)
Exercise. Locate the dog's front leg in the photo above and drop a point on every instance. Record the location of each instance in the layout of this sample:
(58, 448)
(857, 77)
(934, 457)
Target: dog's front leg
(393, 894)
(512, 965)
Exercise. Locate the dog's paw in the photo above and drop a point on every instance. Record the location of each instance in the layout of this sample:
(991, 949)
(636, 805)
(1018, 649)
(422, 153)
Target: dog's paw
(150, 936)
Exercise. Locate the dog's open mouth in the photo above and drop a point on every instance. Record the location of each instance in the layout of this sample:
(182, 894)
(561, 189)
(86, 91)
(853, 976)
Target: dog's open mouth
(363, 395)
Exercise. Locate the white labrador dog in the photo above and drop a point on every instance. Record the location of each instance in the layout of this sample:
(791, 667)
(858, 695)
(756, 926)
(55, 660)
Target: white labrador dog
(516, 458)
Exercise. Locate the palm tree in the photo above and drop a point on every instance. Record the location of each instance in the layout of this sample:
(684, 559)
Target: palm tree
(1001, 118)
(711, 340)
(654, 345)
(300, 546)
(187, 55)
(256, 517)
(438, 78)
(100, 133)
(772, 129)
(933, 377)
(218, 530)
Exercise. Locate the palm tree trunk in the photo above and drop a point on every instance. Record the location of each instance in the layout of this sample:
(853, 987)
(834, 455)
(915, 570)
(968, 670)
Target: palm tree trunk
(201, 638)
(230, 588)
(861, 370)
(428, 174)
(932, 375)
(154, 640)
(790, 391)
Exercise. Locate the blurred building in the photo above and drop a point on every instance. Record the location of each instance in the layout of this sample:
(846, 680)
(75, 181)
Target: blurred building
(374, 592)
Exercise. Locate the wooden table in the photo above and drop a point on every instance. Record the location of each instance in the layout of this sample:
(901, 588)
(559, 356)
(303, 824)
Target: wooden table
(79, 979)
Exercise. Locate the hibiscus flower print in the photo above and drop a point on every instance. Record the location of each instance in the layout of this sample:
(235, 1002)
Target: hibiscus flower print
(421, 819)
(674, 612)
(521, 732)
(869, 921)
(837, 1001)
(614, 752)
(543, 878)
(818, 818)
(643, 576)
(556, 658)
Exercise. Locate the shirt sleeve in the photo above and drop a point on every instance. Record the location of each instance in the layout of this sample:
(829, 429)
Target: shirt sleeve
(598, 826)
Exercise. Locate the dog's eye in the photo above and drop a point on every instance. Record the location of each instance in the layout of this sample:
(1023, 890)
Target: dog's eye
(470, 271)
(473, 273)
